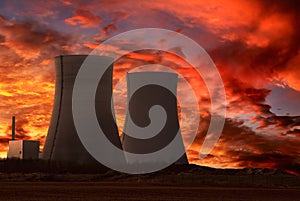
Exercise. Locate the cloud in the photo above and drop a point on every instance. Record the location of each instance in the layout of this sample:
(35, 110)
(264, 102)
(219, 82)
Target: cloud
(84, 18)
(27, 76)
(239, 146)
(106, 31)
(66, 2)
(31, 40)
(289, 75)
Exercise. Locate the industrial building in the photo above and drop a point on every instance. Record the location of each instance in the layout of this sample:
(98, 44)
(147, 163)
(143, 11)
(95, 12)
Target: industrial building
(22, 149)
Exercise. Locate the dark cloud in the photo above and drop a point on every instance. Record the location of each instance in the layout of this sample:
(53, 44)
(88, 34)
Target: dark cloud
(295, 132)
(240, 146)
(281, 122)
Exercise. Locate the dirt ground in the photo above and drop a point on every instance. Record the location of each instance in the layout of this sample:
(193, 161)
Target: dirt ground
(65, 191)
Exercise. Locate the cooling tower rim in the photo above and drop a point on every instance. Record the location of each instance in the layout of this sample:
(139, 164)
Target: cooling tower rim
(152, 73)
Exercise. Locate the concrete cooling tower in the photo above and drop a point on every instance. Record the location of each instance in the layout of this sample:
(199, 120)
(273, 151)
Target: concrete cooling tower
(152, 118)
(62, 142)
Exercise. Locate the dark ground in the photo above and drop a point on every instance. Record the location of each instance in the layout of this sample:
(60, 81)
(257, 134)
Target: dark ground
(34, 181)
(65, 191)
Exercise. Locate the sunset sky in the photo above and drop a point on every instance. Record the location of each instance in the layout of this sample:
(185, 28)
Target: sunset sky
(254, 44)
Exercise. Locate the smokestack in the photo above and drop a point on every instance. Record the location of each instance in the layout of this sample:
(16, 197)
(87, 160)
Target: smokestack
(13, 128)
(147, 128)
(63, 143)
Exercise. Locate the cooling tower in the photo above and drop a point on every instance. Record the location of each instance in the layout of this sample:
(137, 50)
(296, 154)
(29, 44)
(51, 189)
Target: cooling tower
(62, 143)
(147, 129)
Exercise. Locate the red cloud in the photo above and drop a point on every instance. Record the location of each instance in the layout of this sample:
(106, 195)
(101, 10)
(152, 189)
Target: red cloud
(27, 77)
(84, 18)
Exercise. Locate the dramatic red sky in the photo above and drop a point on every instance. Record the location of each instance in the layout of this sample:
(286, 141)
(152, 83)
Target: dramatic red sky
(254, 44)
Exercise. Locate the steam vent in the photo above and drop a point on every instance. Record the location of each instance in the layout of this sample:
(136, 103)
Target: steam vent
(152, 118)
(62, 142)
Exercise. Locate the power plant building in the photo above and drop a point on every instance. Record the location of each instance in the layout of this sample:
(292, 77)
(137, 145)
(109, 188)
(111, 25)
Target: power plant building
(23, 149)
(63, 143)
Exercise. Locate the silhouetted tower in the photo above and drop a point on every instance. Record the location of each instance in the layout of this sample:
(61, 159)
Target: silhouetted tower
(62, 143)
(147, 132)
(13, 128)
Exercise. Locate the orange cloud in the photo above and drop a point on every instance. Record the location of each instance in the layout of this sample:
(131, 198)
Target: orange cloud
(290, 74)
(27, 78)
(84, 18)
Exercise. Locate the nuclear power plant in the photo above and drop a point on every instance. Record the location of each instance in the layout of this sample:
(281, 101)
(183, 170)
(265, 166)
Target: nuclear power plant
(151, 119)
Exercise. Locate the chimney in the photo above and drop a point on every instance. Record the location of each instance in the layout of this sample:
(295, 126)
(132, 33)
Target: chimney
(13, 128)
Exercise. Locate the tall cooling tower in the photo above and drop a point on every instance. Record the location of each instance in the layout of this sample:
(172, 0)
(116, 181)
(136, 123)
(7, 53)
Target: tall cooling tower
(62, 143)
(147, 129)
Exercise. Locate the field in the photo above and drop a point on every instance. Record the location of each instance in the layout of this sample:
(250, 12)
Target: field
(36, 181)
(65, 191)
